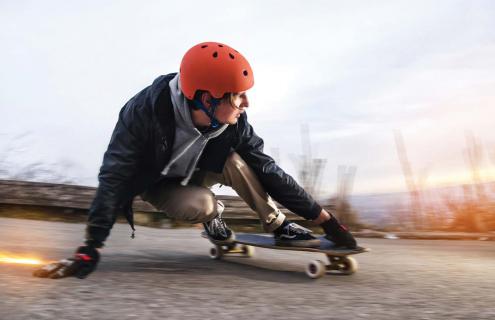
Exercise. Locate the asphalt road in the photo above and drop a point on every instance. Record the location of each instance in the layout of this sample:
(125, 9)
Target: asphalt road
(167, 274)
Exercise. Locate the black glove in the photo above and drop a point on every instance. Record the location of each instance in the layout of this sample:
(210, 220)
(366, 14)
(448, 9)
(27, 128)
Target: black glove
(83, 263)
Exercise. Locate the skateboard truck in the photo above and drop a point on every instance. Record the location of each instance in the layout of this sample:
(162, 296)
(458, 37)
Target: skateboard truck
(344, 265)
(218, 251)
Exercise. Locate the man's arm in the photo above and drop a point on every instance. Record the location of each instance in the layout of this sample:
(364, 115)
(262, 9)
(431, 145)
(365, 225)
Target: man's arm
(279, 185)
(120, 163)
(114, 191)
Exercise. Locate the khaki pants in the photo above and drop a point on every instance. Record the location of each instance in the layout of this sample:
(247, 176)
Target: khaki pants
(196, 203)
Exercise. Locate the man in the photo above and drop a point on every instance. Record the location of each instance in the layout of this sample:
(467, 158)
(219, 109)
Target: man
(178, 137)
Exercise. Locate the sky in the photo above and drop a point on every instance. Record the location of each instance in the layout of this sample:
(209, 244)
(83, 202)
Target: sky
(354, 72)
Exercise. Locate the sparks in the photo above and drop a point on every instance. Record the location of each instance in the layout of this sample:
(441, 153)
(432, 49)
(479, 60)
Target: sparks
(19, 260)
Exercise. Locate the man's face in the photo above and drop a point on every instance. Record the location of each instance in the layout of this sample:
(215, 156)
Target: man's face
(229, 110)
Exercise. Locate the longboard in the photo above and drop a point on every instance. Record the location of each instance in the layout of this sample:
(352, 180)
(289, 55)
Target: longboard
(338, 259)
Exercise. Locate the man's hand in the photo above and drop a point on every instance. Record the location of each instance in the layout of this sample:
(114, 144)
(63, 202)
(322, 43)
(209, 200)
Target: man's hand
(80, 265)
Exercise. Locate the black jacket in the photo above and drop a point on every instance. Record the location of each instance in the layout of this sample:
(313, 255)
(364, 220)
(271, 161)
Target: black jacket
(141, 146)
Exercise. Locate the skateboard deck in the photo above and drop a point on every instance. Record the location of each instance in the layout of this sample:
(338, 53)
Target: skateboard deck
(338, 259)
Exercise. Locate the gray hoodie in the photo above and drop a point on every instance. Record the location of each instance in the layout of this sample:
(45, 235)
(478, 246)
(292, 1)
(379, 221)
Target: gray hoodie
(189, 142)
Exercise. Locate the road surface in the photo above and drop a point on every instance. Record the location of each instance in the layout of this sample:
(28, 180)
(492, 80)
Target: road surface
(167, 274)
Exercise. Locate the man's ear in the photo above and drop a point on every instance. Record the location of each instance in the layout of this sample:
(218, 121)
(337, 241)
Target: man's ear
(206, 99)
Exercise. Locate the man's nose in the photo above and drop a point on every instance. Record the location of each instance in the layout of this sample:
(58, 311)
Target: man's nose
(245, 103)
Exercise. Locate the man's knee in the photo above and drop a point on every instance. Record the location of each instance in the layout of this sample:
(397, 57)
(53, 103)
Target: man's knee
(235, 163)
(200, 207)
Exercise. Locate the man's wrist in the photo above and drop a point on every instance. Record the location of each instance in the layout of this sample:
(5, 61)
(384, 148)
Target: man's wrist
(95, 236)
(94, 244)
(88, 254)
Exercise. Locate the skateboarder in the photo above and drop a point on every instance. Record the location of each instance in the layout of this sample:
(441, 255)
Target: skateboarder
(181, 135)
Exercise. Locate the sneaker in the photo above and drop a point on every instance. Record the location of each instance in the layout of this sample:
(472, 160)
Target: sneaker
(338, 234)
(290, 234)
(216, 229)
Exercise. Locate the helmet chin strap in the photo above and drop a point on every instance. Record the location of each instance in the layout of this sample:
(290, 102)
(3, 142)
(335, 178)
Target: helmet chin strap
(211, 114)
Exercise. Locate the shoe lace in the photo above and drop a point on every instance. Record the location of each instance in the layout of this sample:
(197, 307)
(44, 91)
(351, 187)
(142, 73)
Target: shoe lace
(295, 228)
(218, 225)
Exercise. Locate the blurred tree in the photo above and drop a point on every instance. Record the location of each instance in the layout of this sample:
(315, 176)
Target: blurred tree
(309, 169)
(475, 211)
(416, 213)
(469, 213)
(310, 172)
(474, 157)
(343, 209)
(35, 171)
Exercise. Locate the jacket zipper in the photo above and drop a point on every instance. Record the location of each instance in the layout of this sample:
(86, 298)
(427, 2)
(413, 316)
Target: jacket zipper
(167, 168)
(191, 172)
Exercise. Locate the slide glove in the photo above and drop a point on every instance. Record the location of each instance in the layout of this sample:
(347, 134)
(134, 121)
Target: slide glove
(80, 265)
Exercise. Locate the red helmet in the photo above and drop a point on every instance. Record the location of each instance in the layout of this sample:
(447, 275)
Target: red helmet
(214, 67)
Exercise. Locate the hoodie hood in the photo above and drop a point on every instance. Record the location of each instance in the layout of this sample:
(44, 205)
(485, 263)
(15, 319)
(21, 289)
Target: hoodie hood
(189, 142)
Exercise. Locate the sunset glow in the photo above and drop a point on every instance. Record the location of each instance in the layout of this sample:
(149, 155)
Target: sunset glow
(462, 177)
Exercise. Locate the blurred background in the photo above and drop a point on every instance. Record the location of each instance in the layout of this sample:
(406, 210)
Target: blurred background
(382, 109)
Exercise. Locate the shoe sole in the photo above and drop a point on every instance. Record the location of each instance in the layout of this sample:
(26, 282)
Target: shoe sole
(219, 242)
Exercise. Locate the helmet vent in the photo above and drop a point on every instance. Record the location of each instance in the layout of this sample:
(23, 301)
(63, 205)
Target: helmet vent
(220, 45)
(215, 54)
(245, 73)
(204, 46)
(231, 56)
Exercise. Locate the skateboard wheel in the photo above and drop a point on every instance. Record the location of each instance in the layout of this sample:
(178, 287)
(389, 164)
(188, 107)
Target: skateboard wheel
(247, 251)
(216, 252)
(349, 265)
(316, 269)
